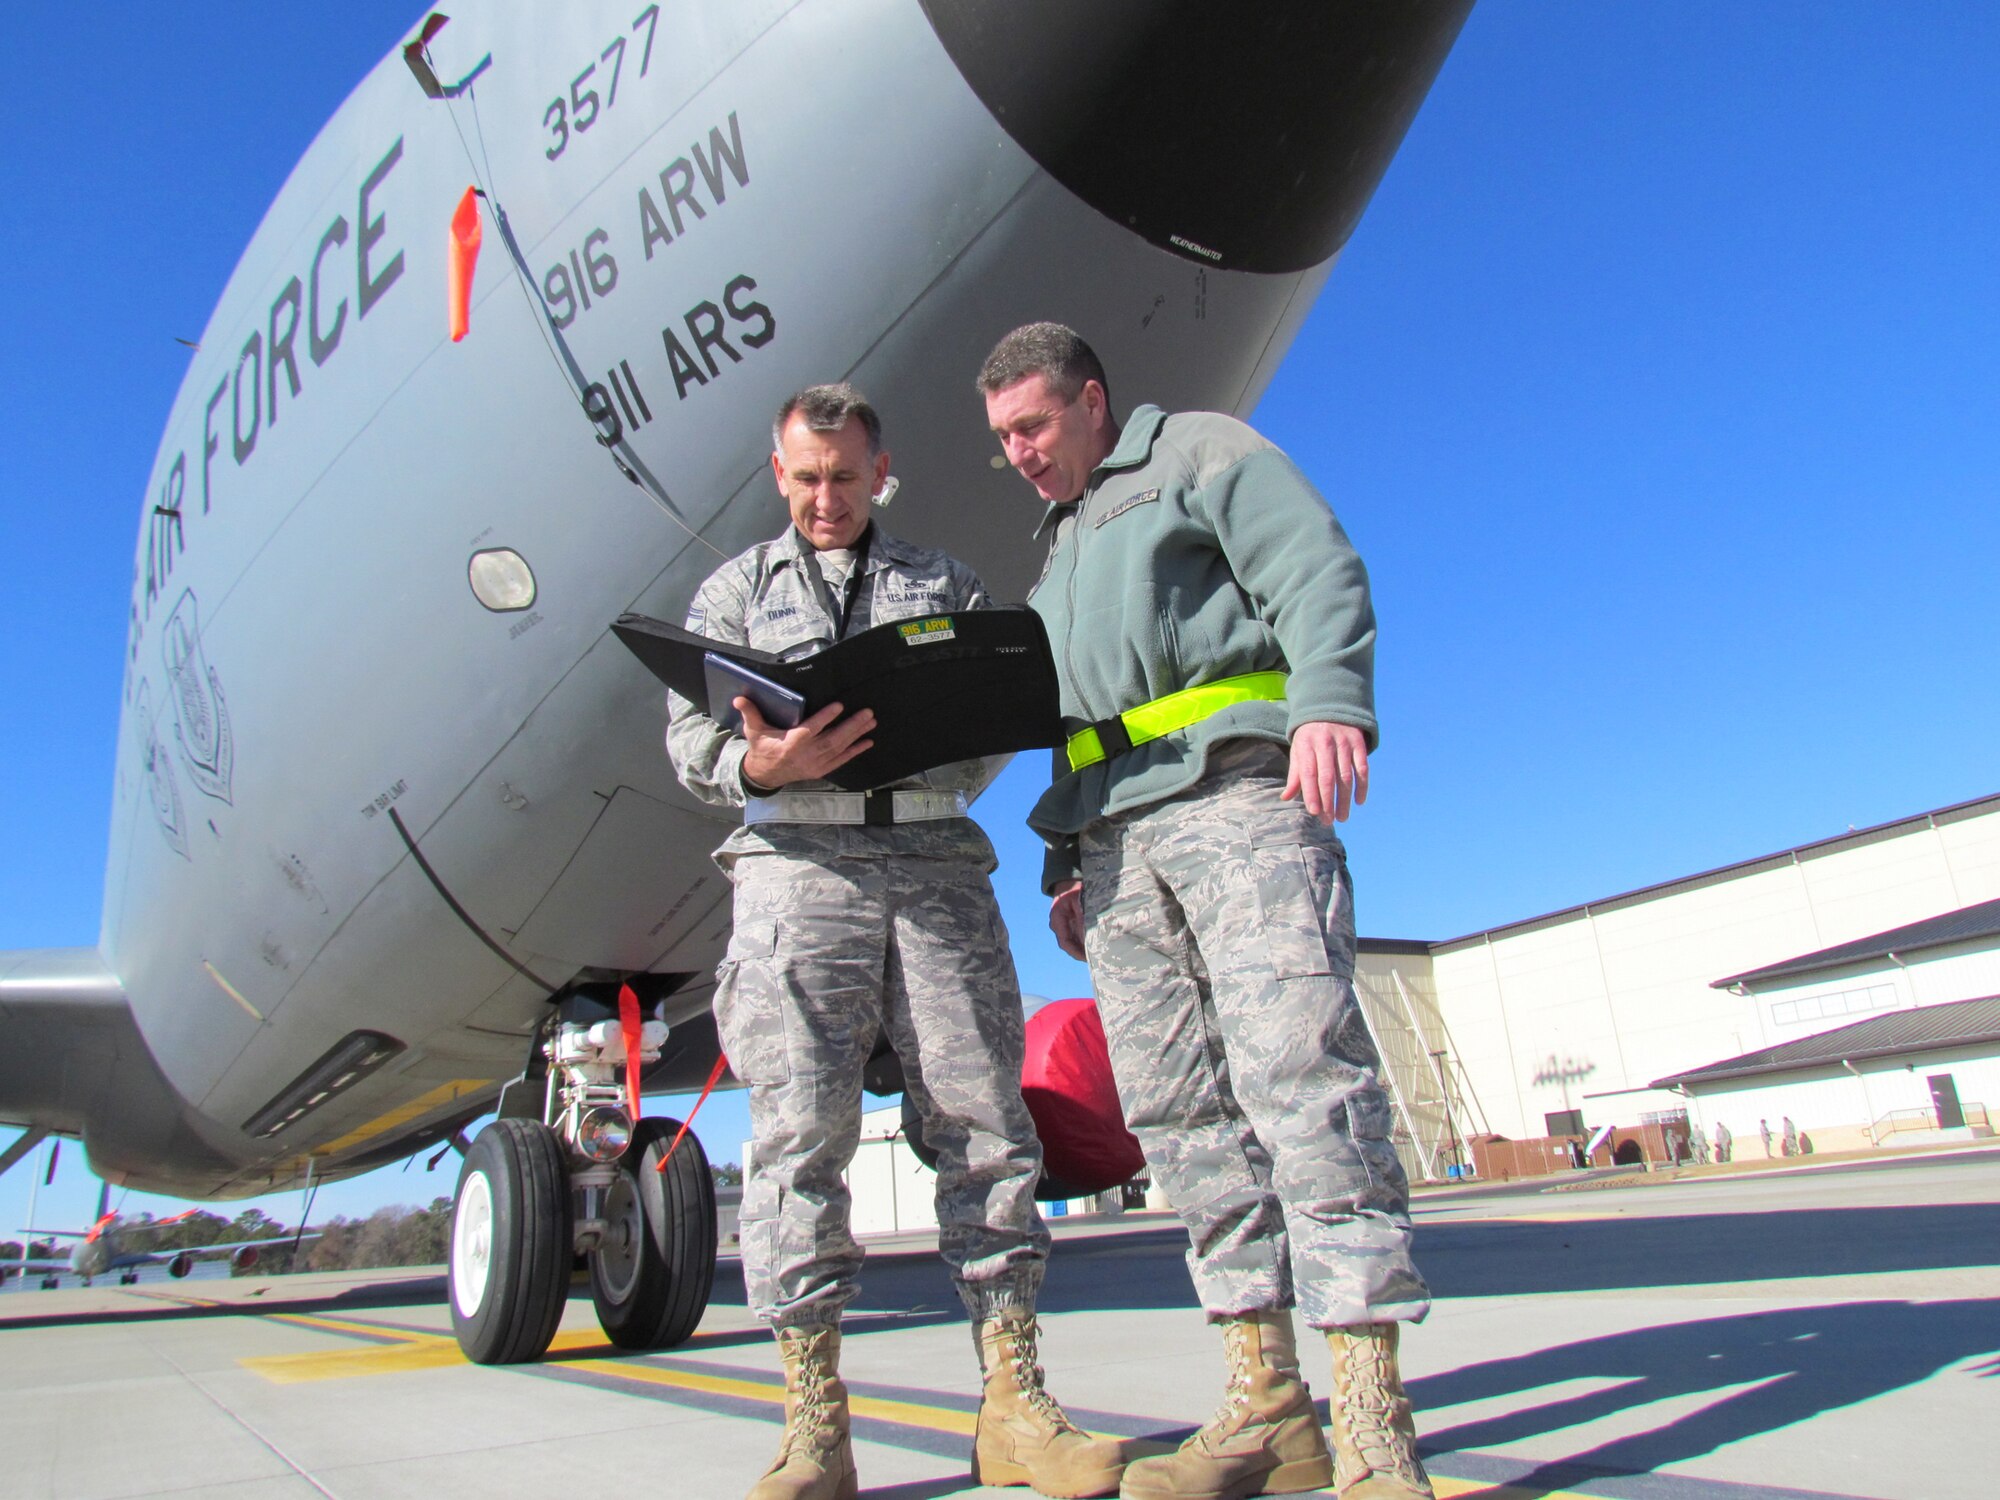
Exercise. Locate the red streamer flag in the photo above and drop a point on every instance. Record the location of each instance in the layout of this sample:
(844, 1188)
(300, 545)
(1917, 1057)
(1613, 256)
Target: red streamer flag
(460, 263)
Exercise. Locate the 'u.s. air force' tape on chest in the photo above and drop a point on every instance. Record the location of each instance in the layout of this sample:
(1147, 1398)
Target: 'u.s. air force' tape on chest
(1114, 736)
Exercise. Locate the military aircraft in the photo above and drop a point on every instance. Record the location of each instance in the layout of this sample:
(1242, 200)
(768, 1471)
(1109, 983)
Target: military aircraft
(111, 1244)
(392, 829)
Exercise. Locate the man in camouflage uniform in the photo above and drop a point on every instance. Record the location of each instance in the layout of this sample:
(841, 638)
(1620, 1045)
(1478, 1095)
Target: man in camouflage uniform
(858, 914)
(1215, 641)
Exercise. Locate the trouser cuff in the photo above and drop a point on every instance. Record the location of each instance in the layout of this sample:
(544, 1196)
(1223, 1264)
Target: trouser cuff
(808, 1320)
(992, 1299)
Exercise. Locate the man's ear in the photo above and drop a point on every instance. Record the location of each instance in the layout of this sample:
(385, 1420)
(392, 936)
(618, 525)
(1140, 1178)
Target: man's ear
(778, 470)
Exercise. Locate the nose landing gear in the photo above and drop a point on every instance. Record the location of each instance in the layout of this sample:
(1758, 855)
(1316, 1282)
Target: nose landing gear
(534, 1194)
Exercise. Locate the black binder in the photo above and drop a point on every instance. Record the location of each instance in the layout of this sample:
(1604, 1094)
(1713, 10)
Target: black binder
(944, 687)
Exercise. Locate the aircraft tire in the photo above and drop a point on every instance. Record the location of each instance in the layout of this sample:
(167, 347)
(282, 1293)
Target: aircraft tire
(511, 1238)
(652, 1278)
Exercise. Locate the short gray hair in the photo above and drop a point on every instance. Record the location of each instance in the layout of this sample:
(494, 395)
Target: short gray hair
(1054, 351)
(826, 408)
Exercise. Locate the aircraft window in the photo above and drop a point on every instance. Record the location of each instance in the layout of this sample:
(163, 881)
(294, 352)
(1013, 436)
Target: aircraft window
(501, 579)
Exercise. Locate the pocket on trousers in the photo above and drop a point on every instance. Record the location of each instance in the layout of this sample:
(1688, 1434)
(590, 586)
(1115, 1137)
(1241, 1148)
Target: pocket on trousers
(1300, 897)
(749, 1004)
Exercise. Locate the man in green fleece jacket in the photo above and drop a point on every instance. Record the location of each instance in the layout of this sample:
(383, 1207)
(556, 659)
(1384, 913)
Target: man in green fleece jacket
(1215, 641)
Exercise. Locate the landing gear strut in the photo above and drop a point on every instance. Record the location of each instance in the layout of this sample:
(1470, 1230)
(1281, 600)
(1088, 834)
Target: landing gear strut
(583, 1180)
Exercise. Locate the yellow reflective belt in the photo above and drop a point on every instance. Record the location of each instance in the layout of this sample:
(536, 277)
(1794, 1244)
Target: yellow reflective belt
(1176, 711)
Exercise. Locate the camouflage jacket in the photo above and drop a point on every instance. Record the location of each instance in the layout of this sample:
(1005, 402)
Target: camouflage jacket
(763, 598)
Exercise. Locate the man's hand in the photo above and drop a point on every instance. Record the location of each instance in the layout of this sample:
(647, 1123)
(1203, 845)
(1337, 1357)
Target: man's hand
(1066, 918)
(778, 757)
(1329, 766)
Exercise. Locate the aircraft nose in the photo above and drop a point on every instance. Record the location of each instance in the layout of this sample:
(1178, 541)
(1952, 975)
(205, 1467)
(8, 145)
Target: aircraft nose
(1247, 137)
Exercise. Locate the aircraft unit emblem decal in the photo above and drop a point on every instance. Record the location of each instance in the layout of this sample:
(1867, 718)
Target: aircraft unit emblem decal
(162, 788)
(201, 713)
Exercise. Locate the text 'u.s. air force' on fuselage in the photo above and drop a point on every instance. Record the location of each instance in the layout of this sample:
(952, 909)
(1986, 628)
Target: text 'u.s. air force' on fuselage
(308, 309)
(315, 305)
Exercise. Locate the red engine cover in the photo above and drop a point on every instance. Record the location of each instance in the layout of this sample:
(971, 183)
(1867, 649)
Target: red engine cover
(1066, 1080)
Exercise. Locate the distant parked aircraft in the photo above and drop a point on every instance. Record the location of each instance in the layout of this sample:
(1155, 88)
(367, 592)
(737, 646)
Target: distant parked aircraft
(112, 1244)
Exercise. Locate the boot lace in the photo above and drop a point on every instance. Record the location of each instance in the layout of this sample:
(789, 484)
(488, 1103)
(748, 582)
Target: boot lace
(812, 1405)
(1017, 1346)
(1371, 1414)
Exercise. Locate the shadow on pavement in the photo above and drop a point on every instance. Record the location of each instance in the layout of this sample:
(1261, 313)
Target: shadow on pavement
(1795, 1364)
(1475, 1259)
(1518, 1257)
(276, 1296)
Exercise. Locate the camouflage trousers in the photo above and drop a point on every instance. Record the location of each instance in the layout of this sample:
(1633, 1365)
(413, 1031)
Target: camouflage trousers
(826, 955)
(1220, 930)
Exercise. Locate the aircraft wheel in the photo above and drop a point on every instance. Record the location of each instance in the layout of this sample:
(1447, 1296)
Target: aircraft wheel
(510, 1243)
(652, 1276)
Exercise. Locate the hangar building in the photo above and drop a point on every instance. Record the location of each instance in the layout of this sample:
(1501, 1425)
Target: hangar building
(1851, 985)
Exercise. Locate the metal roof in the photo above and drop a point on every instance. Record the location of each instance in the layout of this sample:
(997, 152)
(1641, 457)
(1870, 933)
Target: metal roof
(1818, 849)
(1964, 925)
(1928, 1028)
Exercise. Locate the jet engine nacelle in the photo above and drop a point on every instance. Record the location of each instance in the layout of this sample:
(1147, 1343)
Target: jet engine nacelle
(245, 1258)
(180, 1265)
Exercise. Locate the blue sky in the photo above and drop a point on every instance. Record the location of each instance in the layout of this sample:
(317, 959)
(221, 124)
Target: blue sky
(1660, 388)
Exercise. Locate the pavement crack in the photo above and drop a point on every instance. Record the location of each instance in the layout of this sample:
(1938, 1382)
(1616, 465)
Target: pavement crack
(246, 1424)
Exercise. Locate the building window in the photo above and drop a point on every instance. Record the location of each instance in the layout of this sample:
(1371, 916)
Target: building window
(1833, 1006)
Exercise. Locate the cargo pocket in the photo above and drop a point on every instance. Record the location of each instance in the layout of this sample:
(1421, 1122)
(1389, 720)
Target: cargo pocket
(749, 1004)
(1301, 896)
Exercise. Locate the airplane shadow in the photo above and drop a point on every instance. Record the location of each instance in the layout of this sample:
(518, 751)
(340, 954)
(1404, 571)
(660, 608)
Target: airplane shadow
(1145, 1269)
(1475, 1259)
(275, 1296)
(1794, 1365)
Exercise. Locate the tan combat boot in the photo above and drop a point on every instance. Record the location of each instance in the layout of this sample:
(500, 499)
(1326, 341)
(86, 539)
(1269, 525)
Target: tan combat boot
(1024, 1437)
(1264, 1440)
(1374, 1436)
(816, 1456)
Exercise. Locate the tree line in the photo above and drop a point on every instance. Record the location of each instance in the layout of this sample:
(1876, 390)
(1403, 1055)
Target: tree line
(397, 1235)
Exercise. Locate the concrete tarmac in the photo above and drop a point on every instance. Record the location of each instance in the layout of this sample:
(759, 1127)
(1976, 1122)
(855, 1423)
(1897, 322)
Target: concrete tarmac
(1824, 1333)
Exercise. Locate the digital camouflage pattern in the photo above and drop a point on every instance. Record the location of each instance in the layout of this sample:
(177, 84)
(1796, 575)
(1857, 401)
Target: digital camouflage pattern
(763, 598)
(1220, 929)
(842, 931)
(826, 953)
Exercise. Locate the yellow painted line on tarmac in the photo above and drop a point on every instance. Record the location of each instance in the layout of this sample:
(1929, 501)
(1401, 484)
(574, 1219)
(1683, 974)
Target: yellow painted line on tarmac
(772, 1393)
(342, 1364)
(408, 1351)
(435, 1351)
(432, 1351)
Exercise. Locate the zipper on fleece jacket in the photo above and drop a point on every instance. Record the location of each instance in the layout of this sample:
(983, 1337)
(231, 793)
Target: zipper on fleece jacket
(1069, 599)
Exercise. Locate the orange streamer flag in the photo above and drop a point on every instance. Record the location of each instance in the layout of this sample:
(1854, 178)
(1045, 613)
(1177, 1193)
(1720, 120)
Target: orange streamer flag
(714, 1075)
(464, 256)
(633, 1025)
